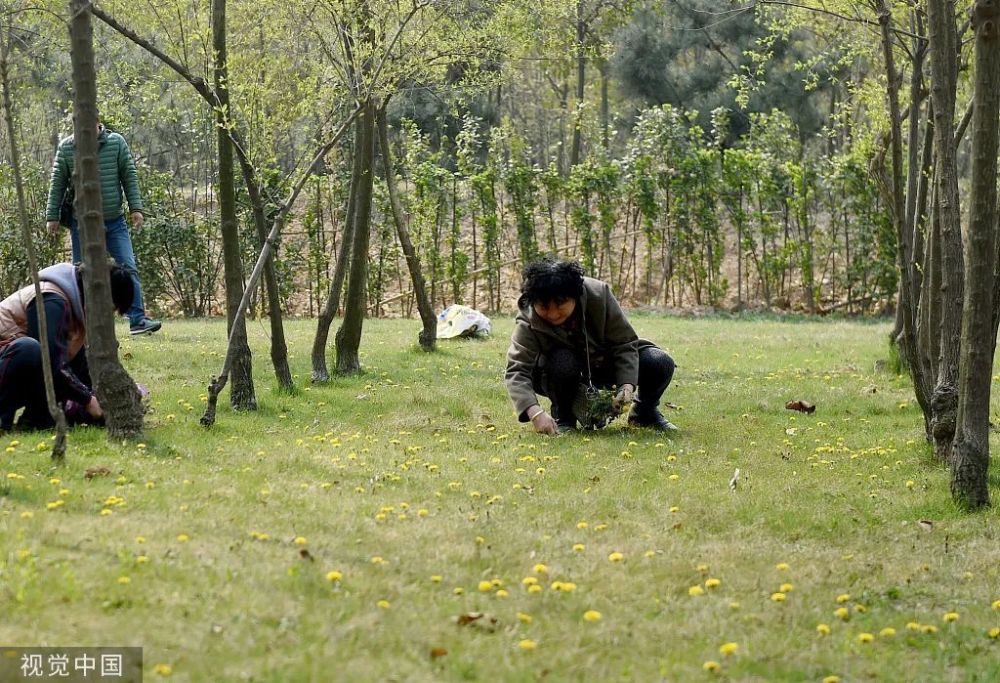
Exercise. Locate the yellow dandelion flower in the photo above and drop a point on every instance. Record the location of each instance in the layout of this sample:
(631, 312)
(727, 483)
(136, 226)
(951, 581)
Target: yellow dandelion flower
(831, 679)
(529, 580)
(163, 669)
(579, 547)
(458, 590)
(887, 632)
(929, 629)
(534, 588)
(949, 617)
(124, 580)
(993, 633)
(502, 593)
(183, 538)
(710, 666)
(842, 598)
(300, 540)
(712, 583)
(996, 604)
(527, 644)
(615, 557)
(703, 568)
(485, 586)
(540, 569)
(524, 618)
(696, 591)
(786, 588)
(913, 626)
(842, 613)
(592, 615)
(865, 637)
(781, 566)
(141, 559)
(383, 604)
(734, 605)
(727, 649)
(823, 629)
(777, 597)
(333, 576)
(140, 539)
(377, 560)
(581, 525)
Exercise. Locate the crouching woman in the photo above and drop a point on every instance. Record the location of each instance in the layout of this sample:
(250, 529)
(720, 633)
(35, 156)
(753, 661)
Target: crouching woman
(22, 383)
(570, 334)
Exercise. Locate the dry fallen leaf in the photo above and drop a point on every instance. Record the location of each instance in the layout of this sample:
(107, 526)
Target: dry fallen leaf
(926, 524)
(438, 652)
(306, 555)
(801, 406)
(92, 472)
(480, 620)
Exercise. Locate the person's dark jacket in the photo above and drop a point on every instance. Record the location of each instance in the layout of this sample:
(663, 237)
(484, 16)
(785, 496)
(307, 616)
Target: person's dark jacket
(67, 329)
(117, 171)
(611, 340)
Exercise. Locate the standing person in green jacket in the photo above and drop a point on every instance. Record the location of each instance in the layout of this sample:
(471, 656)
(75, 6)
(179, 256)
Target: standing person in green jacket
(570, 336)
(117, 170)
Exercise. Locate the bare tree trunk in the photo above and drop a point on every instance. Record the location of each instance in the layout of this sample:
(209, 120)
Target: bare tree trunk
(59, 445)
(348, 338)
(428, 334)
(241, 394)
(279, 350)
(581, 75)
(218, 383)
(971, 450)
(320, 373)
(944, 51)
(897, 212)
(115, 389)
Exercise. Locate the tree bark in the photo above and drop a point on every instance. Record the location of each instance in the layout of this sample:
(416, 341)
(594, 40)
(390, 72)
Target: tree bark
(428, 335)
(897, 211)
(241, 394)
(115, 389)
(971, 450)
(55, 410)
(348, 338)
(320, 373)
(944, 40)
(581, 75)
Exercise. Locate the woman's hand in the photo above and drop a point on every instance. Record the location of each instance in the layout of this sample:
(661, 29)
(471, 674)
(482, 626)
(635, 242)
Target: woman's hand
(625, 395)
(93, 407)
(543, 422)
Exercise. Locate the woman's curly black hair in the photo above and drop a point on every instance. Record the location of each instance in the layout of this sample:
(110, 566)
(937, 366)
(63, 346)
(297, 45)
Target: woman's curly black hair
(551, 279)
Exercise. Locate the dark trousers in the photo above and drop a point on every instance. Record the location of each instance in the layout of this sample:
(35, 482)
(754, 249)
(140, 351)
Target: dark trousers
(562, 372)
(22, 384)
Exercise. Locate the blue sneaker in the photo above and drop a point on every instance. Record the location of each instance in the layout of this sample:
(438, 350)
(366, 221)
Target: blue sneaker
(146, 326)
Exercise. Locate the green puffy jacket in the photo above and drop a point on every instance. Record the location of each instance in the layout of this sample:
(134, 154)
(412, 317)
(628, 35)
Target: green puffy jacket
(117, 170)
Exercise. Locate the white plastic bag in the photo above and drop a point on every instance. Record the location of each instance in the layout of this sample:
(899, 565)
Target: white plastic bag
(462, 321)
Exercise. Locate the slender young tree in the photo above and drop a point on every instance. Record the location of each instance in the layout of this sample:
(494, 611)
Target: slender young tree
(970, 455)
(241, 394)
(55, 410)
(115, 389)
(255, 190)
(428, 335)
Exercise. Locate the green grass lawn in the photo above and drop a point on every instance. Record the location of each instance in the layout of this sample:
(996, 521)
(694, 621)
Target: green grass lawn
(341, 533)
